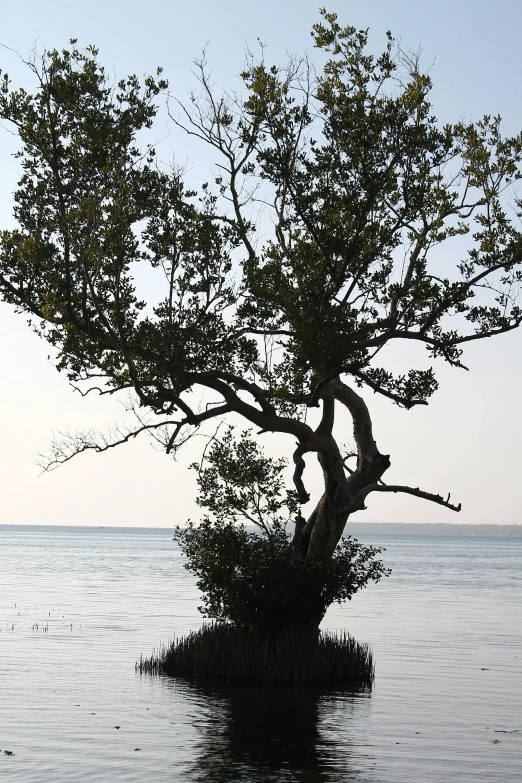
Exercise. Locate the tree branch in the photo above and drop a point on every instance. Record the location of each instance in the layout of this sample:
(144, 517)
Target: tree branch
(300, 465)
(327, 420)
(267, 418)
(362, 424)
(357, 503)
(379, 390)
(72, 445)
(374, 342)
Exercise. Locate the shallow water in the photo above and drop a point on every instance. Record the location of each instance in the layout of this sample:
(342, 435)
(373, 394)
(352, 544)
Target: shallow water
(78, 606)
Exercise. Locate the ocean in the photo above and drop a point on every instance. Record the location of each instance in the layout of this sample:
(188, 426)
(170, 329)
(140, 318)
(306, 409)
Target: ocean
(78, 606)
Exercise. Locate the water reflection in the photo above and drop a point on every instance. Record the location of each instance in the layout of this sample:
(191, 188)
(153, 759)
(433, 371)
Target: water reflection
(277, 734)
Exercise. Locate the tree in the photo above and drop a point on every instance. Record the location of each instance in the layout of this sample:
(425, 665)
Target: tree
(270, 317)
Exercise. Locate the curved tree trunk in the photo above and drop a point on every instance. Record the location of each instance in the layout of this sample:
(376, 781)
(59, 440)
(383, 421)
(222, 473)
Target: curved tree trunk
(315, 540)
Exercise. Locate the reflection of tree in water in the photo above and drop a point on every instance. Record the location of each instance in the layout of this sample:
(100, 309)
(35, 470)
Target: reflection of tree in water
(272, 734)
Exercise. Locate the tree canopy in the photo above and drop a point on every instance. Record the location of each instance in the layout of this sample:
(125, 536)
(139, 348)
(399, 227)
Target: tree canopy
(316, 242)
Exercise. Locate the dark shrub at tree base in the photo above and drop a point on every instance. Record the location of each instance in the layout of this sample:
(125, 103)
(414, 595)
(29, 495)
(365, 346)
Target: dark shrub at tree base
(258, 582)
(223, 653)
(267, 608)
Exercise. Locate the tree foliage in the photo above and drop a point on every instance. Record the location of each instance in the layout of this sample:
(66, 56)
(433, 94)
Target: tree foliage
(238, 482)
(356, 166)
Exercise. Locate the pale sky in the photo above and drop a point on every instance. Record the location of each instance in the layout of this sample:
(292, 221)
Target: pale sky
(467, 442)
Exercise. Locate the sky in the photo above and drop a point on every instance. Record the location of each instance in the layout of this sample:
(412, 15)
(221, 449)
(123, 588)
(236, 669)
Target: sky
(467, 442)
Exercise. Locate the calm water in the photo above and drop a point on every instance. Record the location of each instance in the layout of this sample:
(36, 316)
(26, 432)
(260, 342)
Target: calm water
(78, 606)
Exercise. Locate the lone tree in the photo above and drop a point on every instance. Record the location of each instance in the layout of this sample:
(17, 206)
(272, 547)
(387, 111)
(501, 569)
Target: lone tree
(269, 312)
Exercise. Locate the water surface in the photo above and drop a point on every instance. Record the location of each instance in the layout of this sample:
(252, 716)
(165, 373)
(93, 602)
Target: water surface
(78, 606)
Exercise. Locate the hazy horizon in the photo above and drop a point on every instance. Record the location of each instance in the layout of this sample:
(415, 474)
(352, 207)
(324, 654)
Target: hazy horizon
(442, 529)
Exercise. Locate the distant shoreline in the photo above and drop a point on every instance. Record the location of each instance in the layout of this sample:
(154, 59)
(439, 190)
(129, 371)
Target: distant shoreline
(354, 528)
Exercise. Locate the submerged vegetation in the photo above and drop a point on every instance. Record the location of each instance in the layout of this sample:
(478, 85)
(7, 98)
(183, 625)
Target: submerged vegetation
(225, 653)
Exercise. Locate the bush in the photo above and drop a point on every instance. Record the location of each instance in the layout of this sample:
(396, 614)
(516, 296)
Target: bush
(257, 582)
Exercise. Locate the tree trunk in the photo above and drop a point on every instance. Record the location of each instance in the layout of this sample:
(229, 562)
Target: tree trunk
(315, 540)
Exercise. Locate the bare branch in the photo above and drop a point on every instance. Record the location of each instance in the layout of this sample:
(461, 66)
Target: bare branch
(195, 420)
(73, 444)
(101, 391)
(357, 503)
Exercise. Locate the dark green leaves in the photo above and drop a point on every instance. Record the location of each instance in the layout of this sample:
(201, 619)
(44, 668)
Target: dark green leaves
(238, 482)
(255, 581)
(360, 184)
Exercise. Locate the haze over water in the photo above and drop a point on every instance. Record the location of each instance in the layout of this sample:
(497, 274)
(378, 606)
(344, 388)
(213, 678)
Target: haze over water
(78, 606)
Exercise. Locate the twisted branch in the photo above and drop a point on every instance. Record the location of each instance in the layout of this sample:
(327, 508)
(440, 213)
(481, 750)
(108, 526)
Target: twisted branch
(299, 463)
